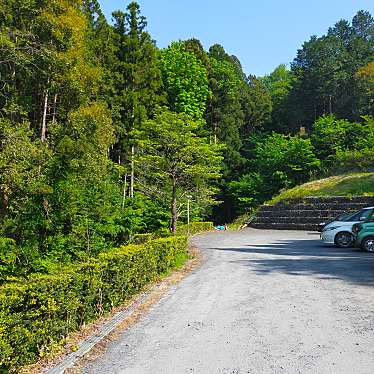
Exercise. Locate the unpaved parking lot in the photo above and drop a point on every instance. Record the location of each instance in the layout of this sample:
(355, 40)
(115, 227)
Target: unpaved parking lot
(262, 302)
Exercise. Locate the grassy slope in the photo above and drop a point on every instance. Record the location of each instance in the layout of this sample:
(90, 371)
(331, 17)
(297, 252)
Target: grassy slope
(358, 184)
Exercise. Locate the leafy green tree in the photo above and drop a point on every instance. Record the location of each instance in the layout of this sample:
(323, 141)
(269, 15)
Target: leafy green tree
(329, 135)
(194, 46)
(225, 116)
(354, 150)
(324, 70)
(365, 84)
(185, 80)
(278, 161)
(278, 84)
(247, 192)
(177, 160)
(51, 78)
(239, 105)
(257, 106)
(332, 136)
(286, 160)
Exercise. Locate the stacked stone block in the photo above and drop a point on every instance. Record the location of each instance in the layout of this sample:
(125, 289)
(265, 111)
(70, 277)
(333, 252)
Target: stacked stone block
(306, 213)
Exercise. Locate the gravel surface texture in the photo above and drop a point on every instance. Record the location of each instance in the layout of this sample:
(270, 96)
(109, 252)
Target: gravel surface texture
(263, 302)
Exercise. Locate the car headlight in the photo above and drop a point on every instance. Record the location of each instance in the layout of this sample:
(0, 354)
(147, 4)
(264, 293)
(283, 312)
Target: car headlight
(356, 228)
(331, 228)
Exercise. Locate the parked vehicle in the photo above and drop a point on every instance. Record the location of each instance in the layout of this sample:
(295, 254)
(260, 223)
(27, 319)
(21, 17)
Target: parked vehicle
(364, 234)
(339, 232)
(340, 217)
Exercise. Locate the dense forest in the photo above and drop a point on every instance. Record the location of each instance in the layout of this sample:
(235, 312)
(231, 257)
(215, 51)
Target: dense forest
(103, 135)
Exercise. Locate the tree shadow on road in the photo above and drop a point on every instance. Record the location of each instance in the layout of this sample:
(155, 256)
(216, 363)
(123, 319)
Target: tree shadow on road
(308, 257)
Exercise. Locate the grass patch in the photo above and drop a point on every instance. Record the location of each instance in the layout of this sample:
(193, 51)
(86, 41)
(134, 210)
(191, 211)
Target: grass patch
(241, 220)
(354, 184)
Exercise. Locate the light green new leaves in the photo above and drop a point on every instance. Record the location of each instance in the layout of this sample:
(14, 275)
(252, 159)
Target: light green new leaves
(185, 80)
(175, 159)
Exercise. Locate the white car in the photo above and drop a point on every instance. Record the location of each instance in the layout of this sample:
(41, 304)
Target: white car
(339, 232)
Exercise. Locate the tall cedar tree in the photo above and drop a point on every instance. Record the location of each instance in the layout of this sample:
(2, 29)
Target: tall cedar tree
(137, 81)
(225, 116)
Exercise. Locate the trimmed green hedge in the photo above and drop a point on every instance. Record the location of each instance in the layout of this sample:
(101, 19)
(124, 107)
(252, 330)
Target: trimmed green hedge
(36, 315)
(194, 228)
(185, 230)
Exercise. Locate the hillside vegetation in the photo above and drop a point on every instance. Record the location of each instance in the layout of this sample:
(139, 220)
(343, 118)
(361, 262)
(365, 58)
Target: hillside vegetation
(107, 140)
(357, 184)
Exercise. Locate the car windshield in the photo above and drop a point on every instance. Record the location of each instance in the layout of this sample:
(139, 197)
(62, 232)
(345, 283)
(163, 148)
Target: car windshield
(344, 216)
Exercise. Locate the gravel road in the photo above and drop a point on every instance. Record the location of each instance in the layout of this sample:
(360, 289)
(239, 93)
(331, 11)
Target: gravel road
(263, 302)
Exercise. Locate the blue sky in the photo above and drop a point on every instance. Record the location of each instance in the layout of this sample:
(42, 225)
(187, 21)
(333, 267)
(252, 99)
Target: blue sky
(261, 33)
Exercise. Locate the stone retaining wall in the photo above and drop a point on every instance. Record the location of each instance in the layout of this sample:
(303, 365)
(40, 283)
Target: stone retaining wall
(306, 213)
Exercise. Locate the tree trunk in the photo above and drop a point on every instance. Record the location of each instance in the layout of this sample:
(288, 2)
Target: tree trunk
(4, 205)
(174, 207)
(330, 105)
(132, 172)
(44, 120)
(54, 109)
(124, 192)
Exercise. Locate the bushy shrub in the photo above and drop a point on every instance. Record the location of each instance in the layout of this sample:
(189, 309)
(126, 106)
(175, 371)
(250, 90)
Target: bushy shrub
(247, 192)
(286, 160)
(8, 257)
(37, 314)
(278, 161)
(348, 161)
(142, 238)
(332, 136)
(194, 228)
(344, 146)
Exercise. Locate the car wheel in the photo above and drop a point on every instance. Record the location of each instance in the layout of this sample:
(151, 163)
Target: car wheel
(368, 244)
(344, 239)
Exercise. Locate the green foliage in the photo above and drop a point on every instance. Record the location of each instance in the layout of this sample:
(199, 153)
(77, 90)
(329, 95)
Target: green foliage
(357, 160)
(194, 228)
(343, 144)
(257, 106)
(286, 160)
(75, 91)
(40, 313)
(365, 83)
(175, 159)
(325, 68)
(329, 135)
(135, 72)
(280, 161)
(248, 192)
(9, 256)
(355, 184)
(225, 116)
(185, 80)
(279, 84)
(194, 46)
